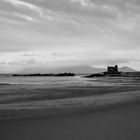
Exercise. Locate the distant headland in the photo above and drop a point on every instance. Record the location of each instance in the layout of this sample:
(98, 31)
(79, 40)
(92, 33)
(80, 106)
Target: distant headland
(110, 72)
(113, 71)
(48, 74)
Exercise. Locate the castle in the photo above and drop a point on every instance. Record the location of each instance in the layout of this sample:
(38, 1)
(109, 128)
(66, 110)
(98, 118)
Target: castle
(112, 71)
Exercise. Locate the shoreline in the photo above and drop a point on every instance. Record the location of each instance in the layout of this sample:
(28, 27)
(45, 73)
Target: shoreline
(60, 107)
(121, 123)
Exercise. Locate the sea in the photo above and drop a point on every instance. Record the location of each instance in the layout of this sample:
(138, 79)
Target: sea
(79, 80)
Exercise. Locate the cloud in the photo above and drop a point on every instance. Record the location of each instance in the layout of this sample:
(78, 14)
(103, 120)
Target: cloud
(24, 17)
(70, 32)
(73, 7)
(102, 17)
(83, 3)
(23, 4)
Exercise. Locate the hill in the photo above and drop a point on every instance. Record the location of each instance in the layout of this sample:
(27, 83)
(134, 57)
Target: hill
(74, 69)
(126, 69)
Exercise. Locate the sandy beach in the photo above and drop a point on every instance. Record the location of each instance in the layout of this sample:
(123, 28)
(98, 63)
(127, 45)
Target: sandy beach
(118, 124)
(70, 113)
(23, 102)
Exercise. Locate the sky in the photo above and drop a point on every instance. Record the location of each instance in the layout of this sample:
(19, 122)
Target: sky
(62, 33)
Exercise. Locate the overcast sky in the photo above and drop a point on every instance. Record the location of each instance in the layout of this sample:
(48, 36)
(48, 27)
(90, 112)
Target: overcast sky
(55, 33)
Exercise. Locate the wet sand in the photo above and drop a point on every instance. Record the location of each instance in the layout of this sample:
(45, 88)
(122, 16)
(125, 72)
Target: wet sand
(109, 113)
(34, 103)
(113, 124)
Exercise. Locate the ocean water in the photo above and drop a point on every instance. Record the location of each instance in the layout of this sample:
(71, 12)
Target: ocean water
(79, 80)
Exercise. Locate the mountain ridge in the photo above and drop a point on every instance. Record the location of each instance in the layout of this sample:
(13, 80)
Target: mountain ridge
(126, 69)
(75, 69)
